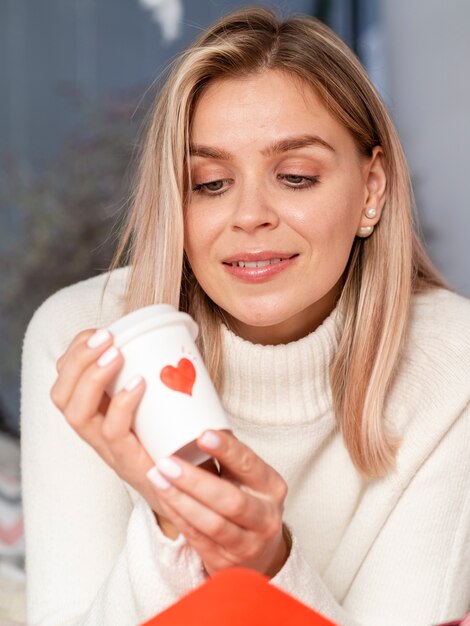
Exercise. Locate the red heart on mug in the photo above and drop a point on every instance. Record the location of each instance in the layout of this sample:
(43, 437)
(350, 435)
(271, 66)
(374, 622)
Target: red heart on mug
(180, 378)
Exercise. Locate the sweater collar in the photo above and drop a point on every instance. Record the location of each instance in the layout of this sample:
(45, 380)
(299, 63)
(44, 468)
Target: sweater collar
(284, 384)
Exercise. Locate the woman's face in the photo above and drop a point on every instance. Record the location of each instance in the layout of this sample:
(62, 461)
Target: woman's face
(278, 194)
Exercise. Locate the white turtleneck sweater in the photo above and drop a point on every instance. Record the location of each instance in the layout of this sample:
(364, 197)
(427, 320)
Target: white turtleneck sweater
(388, 552)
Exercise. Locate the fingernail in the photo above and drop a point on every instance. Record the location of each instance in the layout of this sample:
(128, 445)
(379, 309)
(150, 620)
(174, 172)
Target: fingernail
(98, 338)
(108, 357)
(133, 383)
(157, 479)
(210, 439)
(169, 468)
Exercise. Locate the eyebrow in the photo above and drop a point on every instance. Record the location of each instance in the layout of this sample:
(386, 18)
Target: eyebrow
(277, 147)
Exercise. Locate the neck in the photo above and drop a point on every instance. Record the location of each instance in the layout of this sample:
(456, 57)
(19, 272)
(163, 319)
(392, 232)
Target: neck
(297, 326)
(262, 383)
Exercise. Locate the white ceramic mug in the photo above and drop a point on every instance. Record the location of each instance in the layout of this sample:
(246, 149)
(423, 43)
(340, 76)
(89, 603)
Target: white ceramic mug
(180, 401)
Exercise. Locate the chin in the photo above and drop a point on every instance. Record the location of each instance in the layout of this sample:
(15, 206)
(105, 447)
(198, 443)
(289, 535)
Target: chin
(265, 318)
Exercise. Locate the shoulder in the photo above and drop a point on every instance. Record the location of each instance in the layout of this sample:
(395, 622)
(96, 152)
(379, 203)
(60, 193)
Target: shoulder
(438, 338)
(431, 388)
(441, 315)
(437, 345)
(90, 303)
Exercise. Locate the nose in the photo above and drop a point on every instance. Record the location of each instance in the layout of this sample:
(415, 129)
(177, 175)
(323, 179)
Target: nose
(254, 209)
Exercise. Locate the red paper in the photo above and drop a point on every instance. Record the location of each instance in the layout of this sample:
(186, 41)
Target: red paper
(238, 597)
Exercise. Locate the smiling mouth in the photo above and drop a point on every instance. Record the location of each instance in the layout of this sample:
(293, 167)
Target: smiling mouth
(258, 267)
(260, 263)
(255, 263)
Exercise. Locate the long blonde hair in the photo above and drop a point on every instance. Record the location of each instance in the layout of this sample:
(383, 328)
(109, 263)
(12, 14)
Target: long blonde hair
(383, 270)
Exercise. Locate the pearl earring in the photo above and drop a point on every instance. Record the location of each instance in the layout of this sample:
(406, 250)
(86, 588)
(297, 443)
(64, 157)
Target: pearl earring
(365, 231)
(371, 212)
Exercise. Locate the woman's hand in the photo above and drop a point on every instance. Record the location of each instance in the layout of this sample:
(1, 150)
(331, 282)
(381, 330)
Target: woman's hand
(84, 371)
(234, 519)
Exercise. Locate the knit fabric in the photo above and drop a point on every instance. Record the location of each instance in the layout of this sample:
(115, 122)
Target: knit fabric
(365, 552)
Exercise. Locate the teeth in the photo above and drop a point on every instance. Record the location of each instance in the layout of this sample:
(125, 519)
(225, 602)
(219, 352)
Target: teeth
(255, 263)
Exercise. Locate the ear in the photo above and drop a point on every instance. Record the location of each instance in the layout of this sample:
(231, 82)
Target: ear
(375, 183)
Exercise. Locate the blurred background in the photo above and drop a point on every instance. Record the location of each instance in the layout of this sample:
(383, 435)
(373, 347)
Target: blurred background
(77, 78)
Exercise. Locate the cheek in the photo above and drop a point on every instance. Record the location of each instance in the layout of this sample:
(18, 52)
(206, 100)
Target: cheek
(328, 221)
(201, 229)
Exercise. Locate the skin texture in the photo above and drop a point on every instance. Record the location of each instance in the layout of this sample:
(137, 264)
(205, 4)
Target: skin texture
(302, 200)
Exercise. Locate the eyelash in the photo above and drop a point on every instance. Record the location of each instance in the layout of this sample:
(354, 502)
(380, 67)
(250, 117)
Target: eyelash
(310, 181)
(202, 187)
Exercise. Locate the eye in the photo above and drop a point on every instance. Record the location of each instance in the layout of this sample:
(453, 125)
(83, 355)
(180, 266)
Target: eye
(296, 181)
(213, 187)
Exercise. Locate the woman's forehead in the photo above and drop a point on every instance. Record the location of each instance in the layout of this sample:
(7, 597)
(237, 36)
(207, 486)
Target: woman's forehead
(267, 108)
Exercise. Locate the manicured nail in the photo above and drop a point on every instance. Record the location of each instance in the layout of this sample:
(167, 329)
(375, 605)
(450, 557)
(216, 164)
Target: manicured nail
(169, 467)
(157, 479)
(100, 337)
(133, 383)
(210, 439)
(108, 357)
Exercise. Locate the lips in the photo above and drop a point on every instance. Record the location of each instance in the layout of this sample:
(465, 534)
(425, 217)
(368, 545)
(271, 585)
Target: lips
(255, 263)
(266, 256)
(257, 267)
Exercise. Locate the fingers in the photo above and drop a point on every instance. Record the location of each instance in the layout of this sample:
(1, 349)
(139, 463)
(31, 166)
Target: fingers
(243, 464)
(216, 557)
(121, 410)
(77, 340)
(85, 398)
(208, 510)
(85, 370)
(212, 492)
(106, 423)
(128, 457)
(200, 517)
(84, 350)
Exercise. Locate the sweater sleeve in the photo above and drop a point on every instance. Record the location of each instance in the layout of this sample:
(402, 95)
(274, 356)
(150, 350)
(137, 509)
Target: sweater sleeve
(94, 554)
(301, 581)
(417, 570)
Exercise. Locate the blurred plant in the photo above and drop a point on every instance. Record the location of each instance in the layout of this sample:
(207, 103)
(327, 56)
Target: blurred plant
(60, 228)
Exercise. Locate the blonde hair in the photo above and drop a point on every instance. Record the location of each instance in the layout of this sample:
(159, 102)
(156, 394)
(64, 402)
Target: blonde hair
(383, 270)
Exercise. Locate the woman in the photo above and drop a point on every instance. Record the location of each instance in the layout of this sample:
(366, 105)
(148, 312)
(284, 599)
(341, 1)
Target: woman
(273, 204)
